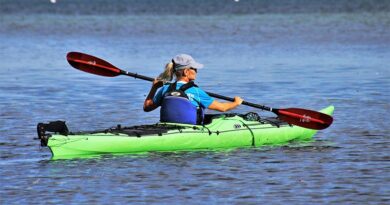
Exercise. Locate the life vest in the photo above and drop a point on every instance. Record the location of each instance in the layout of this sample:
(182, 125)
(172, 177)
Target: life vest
(176, 106)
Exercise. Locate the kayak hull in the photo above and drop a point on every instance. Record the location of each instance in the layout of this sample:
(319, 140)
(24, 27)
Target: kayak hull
(223, 132)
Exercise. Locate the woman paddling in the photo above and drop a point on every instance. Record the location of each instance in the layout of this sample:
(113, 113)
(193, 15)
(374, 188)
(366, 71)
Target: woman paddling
(182, 101)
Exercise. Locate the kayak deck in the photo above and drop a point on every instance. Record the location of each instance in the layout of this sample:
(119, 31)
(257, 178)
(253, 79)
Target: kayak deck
(222, 131)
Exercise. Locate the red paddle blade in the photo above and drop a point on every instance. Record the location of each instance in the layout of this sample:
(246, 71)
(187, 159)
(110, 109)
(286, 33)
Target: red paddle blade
(92, 64)
(305, 118)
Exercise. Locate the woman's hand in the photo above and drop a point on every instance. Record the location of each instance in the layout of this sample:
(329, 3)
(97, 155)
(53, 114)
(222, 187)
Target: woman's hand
(238, 100)
(157, 83)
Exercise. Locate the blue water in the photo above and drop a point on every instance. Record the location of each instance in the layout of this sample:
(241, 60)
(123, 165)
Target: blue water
(307, 54)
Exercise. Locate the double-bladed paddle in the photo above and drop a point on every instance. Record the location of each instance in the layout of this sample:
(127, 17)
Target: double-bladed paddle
(296, 116)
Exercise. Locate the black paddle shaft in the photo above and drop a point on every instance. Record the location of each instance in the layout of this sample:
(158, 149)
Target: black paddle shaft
(135, 75)
(244, 102)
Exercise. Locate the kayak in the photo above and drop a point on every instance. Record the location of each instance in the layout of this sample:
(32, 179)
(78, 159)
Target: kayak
(219, 131)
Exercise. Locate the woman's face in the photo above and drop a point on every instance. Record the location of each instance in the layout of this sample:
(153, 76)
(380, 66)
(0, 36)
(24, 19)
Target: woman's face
(191, 73)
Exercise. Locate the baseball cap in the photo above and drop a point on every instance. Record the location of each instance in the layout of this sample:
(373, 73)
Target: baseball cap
(183, 61)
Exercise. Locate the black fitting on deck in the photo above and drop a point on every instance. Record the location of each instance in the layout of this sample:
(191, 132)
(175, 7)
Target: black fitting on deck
(55, 126)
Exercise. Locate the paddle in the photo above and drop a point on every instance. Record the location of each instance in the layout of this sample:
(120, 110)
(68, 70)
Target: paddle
(296, 116)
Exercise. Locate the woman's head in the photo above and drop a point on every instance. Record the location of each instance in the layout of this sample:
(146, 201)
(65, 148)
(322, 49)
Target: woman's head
(183, 66)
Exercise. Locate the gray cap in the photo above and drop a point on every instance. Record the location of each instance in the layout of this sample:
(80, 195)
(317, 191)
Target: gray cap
(183, 61)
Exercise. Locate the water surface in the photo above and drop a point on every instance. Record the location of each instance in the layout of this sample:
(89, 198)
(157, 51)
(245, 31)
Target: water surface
(280, 54)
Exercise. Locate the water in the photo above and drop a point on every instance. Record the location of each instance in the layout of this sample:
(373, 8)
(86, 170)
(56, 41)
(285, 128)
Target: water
(305, 54)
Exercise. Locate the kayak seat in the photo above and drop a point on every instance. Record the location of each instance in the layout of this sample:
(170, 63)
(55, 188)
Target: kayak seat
(178, 110)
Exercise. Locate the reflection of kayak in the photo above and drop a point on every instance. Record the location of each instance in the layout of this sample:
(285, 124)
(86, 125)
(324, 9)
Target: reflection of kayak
(222, 131)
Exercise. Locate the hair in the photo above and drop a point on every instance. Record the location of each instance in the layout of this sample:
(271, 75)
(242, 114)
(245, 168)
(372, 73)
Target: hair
(169, 70)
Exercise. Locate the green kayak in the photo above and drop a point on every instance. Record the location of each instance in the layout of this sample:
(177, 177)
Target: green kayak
(219, 131)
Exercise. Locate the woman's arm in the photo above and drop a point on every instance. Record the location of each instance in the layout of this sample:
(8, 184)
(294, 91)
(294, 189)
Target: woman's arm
(149, 105)
(223, 107)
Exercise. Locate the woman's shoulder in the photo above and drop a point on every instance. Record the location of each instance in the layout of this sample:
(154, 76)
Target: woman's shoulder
(197, 89)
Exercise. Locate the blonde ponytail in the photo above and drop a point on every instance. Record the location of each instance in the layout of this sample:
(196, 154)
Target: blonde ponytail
(167, 74)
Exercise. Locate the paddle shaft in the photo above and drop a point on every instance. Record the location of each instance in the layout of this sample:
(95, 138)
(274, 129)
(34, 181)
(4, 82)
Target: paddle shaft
(135, 75)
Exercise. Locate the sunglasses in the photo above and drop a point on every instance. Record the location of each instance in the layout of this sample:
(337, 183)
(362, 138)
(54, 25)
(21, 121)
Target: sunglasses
(194, 69)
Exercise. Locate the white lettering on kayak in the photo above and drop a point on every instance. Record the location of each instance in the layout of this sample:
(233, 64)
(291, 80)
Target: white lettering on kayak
(92, 62)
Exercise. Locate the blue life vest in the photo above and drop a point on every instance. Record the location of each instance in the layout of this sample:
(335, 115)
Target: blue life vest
(177, 108)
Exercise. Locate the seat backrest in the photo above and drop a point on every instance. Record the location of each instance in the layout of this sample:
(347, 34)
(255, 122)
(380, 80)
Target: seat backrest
(178, 110)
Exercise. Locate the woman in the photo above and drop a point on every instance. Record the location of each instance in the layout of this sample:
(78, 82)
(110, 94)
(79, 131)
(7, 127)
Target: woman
(183, 101)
